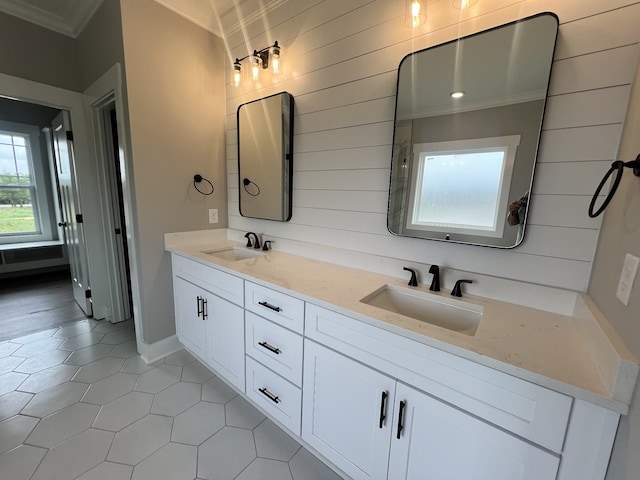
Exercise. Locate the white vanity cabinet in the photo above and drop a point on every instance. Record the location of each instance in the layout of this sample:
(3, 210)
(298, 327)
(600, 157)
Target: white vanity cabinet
(208, 322)
(431, 439)
(373, 427)
(191, 325)
(274, 324)
(347, 410)
(496, 417)
(375, 402)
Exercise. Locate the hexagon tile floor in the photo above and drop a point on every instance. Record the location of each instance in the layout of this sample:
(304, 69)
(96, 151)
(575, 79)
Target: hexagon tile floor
(77, 402)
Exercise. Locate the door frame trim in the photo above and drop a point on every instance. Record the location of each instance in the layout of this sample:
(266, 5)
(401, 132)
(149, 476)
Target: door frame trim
(109, 89)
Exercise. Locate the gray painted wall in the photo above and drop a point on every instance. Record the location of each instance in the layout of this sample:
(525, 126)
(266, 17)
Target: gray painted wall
(620, 234)
(35, 53)
(175, 85)
(100, 43)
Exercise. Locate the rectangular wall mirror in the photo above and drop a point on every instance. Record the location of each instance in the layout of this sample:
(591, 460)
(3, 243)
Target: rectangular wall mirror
(265, 157)
(467, 126)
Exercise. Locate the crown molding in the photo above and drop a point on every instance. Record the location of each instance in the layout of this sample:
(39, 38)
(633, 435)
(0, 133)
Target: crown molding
(69, 22)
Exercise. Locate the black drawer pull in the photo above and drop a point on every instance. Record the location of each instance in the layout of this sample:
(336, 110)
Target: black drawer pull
(272, 307)
(271, 348)
(383, 408)
(403, 404)
(269, 395)
(200, 301)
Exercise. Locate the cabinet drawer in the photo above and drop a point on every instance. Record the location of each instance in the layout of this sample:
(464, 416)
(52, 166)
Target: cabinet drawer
(276, 347)
(278, 307)
(279, 398)
(533, 412)
(224, 285)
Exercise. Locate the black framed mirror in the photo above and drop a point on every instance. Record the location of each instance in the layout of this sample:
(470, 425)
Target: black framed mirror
(265, 157)
(467, 126)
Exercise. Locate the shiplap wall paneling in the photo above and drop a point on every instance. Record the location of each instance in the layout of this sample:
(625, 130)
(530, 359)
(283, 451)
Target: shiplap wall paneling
(341, 60)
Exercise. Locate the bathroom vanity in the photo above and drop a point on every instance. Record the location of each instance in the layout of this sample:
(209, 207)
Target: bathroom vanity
(526, 394)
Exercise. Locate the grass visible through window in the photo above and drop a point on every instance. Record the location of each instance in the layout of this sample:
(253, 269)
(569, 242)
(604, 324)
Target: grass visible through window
(18, 219)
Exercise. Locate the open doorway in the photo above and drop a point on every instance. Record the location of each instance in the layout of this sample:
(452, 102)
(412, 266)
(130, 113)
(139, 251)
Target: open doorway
(36, 290)
(59, 213)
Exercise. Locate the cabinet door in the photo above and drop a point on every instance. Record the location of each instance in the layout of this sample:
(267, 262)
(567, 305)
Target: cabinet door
(439, 442)
(191, 327)
(226, 339)
(347, 412)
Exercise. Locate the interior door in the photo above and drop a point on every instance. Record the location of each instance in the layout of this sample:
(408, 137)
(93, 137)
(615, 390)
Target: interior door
(121, 308)
(71, 221)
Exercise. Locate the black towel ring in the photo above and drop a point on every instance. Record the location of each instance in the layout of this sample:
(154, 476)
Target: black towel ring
(617, 166)
(246, 183)
(197, 178)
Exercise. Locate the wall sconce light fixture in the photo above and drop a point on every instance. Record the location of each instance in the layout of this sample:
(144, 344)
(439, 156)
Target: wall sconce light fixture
(463, 4)
(268, 57)
(415, 13)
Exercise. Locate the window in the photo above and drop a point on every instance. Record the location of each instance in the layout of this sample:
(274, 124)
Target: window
(24, 211)
(462, 186)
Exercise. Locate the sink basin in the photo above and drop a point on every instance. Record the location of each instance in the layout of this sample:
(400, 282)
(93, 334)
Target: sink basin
(449, 313)
(233, 254)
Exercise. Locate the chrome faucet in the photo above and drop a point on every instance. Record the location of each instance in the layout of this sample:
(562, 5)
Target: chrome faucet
(256, 242)
(435, 282)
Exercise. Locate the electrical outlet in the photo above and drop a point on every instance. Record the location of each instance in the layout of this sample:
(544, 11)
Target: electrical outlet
(213, 215)
(627, 276)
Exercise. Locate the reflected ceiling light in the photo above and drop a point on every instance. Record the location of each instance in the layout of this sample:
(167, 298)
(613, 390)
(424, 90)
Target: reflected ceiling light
(463, 4)
(268, 57)
(415, 13)
(458, 94)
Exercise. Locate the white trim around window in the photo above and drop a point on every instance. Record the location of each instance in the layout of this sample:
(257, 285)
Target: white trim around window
(472, 175)
(43, 214)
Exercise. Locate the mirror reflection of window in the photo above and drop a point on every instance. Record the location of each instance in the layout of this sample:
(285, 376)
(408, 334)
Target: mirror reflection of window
(502, 75)
(462, 186)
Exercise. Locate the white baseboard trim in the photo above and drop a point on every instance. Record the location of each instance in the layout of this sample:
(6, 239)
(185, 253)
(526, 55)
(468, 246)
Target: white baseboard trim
(151, 352)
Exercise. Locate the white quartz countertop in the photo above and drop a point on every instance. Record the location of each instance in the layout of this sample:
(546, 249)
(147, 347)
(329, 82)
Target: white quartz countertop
(577, 355)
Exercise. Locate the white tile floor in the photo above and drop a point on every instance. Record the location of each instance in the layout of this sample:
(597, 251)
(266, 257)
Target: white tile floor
(77, 402)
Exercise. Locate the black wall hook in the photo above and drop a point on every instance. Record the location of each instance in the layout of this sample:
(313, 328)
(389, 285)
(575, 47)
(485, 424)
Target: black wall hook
(197, 178)
(617, 166)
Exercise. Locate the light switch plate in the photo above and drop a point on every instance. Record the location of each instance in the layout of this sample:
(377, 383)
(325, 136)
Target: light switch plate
(213, 215)
(627, 277)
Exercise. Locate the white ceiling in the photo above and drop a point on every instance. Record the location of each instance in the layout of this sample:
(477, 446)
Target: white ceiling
(69, 17)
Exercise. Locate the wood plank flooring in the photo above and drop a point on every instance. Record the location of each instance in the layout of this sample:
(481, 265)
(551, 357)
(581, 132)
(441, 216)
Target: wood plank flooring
(33, 304)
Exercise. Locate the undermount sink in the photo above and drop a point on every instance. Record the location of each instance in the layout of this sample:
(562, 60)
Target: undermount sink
(449, 313)
(233, 254)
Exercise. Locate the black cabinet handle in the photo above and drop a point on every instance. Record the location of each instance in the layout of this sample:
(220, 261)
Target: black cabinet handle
(269, 395)
(205, 309)
(271, 348)
(403, 404)
(272, 307)
(200, 306)
(383, 408)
